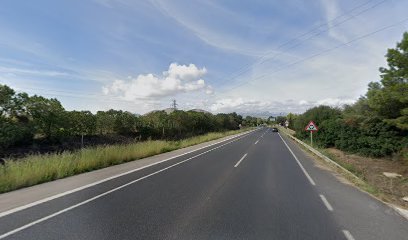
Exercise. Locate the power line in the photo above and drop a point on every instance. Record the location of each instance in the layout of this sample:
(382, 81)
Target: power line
(325, 24)
(321, 53)
(259, 60)
(331, 27)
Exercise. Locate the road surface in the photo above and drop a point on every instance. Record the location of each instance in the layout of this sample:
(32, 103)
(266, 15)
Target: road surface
(256, 186)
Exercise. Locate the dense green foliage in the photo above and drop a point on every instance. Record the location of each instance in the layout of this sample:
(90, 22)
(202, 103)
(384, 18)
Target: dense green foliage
(377, 124)
(25, 119)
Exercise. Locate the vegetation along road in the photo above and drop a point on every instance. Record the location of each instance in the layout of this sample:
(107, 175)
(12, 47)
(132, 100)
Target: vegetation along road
(259, 185)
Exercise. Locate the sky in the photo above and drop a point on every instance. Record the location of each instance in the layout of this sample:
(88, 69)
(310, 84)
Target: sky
(217, 55)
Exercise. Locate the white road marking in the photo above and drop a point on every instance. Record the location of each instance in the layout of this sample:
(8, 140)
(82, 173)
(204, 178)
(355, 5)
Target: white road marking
(264, 133)
(298, 162)
(256, 141)
(348, 235)
(240, 160)
(5, 213)
(108, 192)
(326, 203)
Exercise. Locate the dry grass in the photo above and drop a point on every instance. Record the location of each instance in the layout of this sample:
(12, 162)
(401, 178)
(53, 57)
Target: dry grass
(371, 171)
(37, 169)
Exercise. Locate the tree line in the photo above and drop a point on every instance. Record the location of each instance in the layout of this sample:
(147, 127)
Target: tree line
(27, 119)
(377, 124)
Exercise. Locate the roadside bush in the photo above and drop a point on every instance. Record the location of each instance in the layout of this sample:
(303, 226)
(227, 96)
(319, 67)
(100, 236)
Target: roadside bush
(13, 133)
(378, 138)
(368, 136)
(318, 115)
(329, 132)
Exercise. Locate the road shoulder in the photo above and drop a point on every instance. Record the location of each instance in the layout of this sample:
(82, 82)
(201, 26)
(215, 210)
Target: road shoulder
(354, 209)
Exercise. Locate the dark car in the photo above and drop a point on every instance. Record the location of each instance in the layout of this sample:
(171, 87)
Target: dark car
(274, 129)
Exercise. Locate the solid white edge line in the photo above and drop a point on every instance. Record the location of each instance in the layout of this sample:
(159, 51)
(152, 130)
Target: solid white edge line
(256, 141)
(47, 199)
(108, 192)
(348, 235)
(326, 203)
(298, 162)
(240, 160)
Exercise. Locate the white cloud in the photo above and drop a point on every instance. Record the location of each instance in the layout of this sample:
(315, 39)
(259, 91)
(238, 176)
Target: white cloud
(177, 79)
(303, 102)
(213, 34)
(335, 102)
(184, 72)
(242, 105)
(332, 11)
(21, 71)
(230, 103)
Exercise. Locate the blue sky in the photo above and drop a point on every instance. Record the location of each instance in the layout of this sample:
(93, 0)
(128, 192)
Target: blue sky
(220, 56)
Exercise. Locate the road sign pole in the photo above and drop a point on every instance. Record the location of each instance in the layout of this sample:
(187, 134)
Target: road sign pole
(311, 127)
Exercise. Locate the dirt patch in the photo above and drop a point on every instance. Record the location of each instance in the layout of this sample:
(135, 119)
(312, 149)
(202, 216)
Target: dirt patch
(371, 171)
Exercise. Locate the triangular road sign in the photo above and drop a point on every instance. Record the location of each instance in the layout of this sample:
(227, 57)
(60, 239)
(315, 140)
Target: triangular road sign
(311, 126)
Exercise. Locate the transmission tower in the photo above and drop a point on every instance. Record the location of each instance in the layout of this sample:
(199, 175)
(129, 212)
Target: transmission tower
(174, 104)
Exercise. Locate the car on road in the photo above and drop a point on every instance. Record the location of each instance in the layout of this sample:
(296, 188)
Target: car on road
(274, 129)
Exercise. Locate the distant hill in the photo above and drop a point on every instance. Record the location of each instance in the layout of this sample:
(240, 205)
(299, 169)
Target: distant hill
(170, 110)
(200, 110)
(262, 114)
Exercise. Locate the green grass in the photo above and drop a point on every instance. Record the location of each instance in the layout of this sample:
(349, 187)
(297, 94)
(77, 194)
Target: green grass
(37, 169)
(350, 167)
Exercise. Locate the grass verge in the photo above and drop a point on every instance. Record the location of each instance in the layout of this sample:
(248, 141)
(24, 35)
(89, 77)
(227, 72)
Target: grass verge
(361, 182)
(37, 169)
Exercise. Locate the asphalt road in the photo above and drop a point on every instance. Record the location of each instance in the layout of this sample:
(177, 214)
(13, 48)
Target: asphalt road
(251, 187)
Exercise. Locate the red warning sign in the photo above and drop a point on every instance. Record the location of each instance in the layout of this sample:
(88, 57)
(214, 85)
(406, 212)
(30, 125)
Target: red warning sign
(311, 127)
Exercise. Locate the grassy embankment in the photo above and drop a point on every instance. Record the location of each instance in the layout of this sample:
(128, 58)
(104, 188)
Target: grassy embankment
(324, 151)
(37, 169)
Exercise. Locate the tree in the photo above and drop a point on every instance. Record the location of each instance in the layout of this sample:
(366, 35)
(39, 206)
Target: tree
(6, 99)
(181, 124)
(200, 122)
(154, 124)
(81, 123)
(281, 120)
(105, 122)
(126, 123)
(318, 115)
(291, 119)
(47, 115)
(249, 121)
(389, 98)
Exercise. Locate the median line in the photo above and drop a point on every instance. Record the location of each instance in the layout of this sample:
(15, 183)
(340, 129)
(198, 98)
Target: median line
(348, 235)
(256, 141)
(240, 160)
(326, 203)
